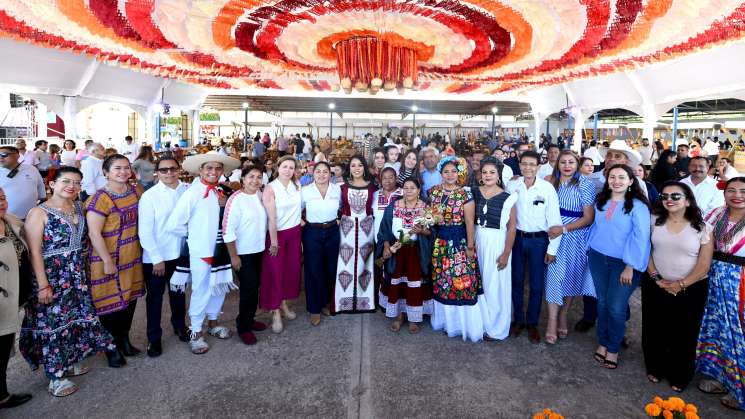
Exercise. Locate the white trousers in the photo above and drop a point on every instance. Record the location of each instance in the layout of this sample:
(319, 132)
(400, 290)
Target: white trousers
(203, 303)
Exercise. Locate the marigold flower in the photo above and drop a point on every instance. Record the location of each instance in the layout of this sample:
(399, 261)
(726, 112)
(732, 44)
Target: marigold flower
(667, 414)
(678, 403)
(691, 415)
(657, 400)
(691, 408)
(668, 405)
(652, 410)
(538, 416)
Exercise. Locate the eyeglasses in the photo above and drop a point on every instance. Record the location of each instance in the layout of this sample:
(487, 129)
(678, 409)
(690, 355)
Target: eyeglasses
(5, 154)
(675, 196)
(168, 169)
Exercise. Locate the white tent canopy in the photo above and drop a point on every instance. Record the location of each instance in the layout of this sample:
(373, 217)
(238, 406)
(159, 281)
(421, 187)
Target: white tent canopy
(53, 77)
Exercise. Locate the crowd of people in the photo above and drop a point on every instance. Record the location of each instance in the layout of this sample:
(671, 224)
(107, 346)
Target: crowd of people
(416, 228)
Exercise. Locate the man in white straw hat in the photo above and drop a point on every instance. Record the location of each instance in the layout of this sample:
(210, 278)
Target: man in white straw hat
(197, 216)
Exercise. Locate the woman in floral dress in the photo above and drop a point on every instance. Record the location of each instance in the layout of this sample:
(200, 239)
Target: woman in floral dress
(60, 328)
(457, 284)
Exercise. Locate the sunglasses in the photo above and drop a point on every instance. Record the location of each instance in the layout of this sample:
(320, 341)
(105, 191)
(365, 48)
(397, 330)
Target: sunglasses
(675, 196)
(168, 169)
(4, 154)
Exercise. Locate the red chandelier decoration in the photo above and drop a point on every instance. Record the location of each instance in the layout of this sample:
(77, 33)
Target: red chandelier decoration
(371, 64)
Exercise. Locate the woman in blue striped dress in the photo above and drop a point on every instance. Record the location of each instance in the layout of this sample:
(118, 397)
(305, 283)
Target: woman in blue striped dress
(565, 277)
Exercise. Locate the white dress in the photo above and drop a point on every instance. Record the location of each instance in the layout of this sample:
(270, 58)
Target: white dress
(490, 242)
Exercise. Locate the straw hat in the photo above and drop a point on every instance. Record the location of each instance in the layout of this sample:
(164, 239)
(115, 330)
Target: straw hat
(632, 155)
(192, 164)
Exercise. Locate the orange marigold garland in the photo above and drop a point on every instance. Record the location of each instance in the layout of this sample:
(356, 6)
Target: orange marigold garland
(672, 408)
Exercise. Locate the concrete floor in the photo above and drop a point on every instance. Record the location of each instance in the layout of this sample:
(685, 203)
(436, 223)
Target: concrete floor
(352, 366)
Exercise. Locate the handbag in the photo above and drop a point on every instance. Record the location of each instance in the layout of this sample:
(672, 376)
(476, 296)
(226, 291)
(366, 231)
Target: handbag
(26, 280)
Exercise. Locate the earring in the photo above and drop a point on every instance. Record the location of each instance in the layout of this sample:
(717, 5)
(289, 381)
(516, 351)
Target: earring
(629, 189)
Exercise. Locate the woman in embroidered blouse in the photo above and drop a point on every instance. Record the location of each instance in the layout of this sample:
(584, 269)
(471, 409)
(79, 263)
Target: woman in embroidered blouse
(60, 328)
(674, 291)
(456, 279)
(116, 261)
(280, 275)
(388, 192)
(407, 288)
(354, 290)
(408, 167)
(618, 252)
(321, 202)
(720, 355)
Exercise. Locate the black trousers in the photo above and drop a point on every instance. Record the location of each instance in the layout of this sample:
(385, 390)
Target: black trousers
(249, 278)
(670, 328)
(119, 322)
(320, 255)
(6, 344)
(156, 286)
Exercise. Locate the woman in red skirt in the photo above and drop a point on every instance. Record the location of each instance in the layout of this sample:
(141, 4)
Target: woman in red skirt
(407, 248)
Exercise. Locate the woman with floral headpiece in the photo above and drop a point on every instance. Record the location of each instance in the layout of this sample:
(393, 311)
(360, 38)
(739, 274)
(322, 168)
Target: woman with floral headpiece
(456, 281)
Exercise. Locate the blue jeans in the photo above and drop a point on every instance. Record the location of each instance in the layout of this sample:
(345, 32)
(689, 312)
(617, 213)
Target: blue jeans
(613, 298)
(320, 255)
(533, 251)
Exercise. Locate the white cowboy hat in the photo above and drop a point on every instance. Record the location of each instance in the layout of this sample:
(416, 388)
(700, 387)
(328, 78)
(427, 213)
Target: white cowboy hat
(192, 164)
(632, 155)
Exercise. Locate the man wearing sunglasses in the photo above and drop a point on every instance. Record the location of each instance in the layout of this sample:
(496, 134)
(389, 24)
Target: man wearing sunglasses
(22, 183)
(704, 187)
(160, 250)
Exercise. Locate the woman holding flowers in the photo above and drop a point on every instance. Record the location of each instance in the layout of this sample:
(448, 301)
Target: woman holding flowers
(721, 343)
(406, 248)
(674, 292)
(456, 279)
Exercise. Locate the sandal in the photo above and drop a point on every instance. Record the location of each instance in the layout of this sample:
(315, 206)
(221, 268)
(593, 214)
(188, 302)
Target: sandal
(550, 339)
(563, 333)
(599, 357)
(396, 325)
(77, 370)
(611, 365)
(730, 401)
(220, 332)
(676, 389)
(198, 346)
(652, 379)
(414, 328)
(315, 319)
(711, 387)
(61, 388)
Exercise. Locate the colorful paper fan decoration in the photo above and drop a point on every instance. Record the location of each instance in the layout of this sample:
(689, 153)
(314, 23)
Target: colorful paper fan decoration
(449, 46)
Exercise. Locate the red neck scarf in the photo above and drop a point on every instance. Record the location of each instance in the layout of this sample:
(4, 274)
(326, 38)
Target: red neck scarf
(211, 188)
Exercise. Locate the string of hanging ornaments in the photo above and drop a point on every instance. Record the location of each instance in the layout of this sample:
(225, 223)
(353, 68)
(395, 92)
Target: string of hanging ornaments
(368, 64)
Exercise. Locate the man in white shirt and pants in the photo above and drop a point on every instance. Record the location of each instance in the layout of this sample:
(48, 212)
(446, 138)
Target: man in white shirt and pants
(197, 216)
(537, 216)
(160, 251)
(704, 188)
(92, 169)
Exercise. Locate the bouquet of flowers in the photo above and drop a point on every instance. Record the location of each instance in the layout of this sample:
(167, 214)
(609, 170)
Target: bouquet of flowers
(672, 408)
(405, 238)
(426, 220)
(547, 414)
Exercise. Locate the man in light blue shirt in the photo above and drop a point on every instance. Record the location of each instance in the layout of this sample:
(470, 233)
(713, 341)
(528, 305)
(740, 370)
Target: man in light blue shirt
(430, 176)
